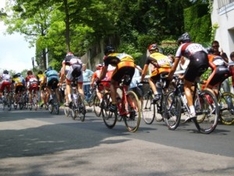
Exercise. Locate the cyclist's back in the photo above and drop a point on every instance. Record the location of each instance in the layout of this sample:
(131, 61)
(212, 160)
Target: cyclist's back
(5, 81)
(220, 70)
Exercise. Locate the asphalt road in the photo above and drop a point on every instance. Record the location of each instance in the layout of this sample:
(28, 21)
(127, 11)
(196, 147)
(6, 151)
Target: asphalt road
(40, 144)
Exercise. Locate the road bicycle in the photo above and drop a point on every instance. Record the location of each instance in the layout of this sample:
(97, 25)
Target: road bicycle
(150, 109)
(54, 103)
(7, 97)
(77, 106)
(22, 100)
(205, 103)
(128, 107)
(94, 101)
(226, 105)
(33, 103)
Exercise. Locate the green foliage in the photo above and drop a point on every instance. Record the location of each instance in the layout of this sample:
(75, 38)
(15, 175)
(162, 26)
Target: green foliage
(131, 50)
(197, 22)
(213, 31)
(56, 26)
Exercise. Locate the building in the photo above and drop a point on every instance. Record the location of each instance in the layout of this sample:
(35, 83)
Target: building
(222, 15)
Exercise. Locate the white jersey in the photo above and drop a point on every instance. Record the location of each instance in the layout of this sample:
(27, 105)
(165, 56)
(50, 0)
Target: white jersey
(6, 77)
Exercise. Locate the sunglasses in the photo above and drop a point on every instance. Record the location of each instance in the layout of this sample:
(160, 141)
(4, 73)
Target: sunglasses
(215, 46)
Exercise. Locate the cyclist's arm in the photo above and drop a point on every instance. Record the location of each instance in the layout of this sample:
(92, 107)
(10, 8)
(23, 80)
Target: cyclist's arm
(143, 73)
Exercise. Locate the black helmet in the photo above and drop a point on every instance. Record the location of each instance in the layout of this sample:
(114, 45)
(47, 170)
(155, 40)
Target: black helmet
(109, 49)
(184, 38)
(153, 47)
(5, 72)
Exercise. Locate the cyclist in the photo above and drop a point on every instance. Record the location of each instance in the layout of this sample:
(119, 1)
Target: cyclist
(52, 77)
(217, 51)
(71, 69)
(124, 66)
(231, 68)
(96, 76)
(161, 65)
(5, 82)
(220, 71)
(32, 84)
(198, 57)
(43, 90)
(19, 86)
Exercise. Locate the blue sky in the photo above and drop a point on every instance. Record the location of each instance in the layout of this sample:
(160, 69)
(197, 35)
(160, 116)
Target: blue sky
(15, 53)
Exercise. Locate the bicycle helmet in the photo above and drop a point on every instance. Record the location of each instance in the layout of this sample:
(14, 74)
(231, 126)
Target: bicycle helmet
(5, 72)
(184, 38)
(153, 47)
(29, 72)
(108, 50)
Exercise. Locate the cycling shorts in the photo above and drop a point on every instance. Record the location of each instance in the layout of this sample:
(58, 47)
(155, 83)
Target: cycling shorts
(122, 69)
(198, 65)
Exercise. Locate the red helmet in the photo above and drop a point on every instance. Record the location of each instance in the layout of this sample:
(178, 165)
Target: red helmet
(153, 47)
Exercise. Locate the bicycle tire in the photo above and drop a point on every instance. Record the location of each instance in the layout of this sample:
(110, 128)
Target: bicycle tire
(97, 106)
(148, 109)
(66, 111)
(82, 109)
(207, 112)
(109, 118)
(172, 110)
(226, 104)
(133, 119)
(9, 101)
(55, 104)
(51, 108)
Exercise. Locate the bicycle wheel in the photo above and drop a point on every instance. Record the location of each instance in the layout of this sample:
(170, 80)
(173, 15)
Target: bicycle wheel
(207, 111)
(55, 104)
(51, 108)
(148, 108)
(172, 110)
(66, 111)
(97, 106)
(226, 104)
(35, 101)
(9, 101)
(109, 118)
(81, 108)
(133, 118)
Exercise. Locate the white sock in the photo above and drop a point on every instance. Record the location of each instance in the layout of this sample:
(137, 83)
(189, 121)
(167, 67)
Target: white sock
(69, 97)
(192, 109)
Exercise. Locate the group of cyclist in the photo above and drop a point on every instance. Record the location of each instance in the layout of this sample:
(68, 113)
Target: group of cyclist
(30, 84)
(199, 60)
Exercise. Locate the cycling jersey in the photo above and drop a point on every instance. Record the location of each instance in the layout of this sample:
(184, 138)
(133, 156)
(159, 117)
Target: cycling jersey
(41, 77)
(124, 65)
(5, 82)
(32, 82)
(161, 63)
(219, 68)
(197, 55)
(115, 58)
(73, 68)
